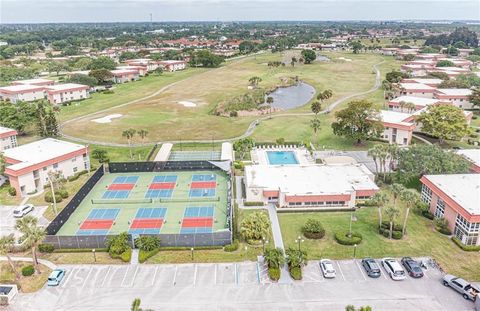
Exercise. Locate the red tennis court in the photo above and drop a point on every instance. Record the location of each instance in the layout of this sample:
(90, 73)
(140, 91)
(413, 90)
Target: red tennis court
(203, 185)
(161, 185)
(197, 222)
(147, 223)
(121, 186)
(96, 224)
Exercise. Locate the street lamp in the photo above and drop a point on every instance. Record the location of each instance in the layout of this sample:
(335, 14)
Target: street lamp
(94, 256)
(264, 241)
(191, 249)
(354, 251)
(299, 240)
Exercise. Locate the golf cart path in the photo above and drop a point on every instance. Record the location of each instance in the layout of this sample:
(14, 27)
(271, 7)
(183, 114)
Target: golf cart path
(248, 132)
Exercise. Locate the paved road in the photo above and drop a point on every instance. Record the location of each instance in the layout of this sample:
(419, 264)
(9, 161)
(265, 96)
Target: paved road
(236, 286)
(248, 132)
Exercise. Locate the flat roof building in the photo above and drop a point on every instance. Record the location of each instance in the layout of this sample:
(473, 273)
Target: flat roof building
(22, 92)
(398, 127)
(8, 138)
(38, 82)
(61, 93)
(473, 156)
(416, 89)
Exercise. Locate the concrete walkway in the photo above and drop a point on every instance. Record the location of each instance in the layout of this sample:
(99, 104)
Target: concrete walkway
(134, 258)
(277, 239)
(44, 262)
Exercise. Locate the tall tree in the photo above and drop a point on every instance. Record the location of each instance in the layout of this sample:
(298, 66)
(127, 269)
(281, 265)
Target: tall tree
(254, 81)
(380, 199)
(392, 212)
(410, 198)
(101, 155)
(315, 125)
(143, 134)
(360, 121)
(129, 134)
(316, 107)
(6, 246)
(32, 235)
(444, 122)
(242, 146)
(475, 97)
(309, 56)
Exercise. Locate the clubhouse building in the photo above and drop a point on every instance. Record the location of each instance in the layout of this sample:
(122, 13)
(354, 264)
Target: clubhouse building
(27, 166)
(456, 198)
(309, 187)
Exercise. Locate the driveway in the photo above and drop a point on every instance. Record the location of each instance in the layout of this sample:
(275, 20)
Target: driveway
(7, 221)
(236, 286)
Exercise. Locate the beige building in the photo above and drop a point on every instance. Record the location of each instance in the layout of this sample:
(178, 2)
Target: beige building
(22, 92)
(62, 93)
(8, 138)
(398, 127)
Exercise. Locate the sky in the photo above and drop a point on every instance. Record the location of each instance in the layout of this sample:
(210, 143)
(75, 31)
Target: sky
(51, 11)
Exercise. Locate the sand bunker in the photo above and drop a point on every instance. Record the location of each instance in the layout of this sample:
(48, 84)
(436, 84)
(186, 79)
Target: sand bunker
(107, 119)
(345, 59)
(187, 103)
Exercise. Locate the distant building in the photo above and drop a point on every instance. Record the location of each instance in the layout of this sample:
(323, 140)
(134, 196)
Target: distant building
(125, 75)
(473, 156)
(398, 104)
(22, 92)
(459, 97)
(38, 82)
(8, 138)
(172, 65)
(142, 70)
(416, 89)
(456, 198)
(426, 81)
(62, 93)
(398, 127)
(28, 165)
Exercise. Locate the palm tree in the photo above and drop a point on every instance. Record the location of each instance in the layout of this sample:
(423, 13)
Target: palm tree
(315, 125)
(374, 152)
(393, 153)
(6, 245)
(274, 257)
(32, 235)
(327, 94)
(128, 134)
(410, 198)
(380, 199)
(254, 81)
(270, 101)
(392, 212)
(396, 190)
(293, 61)
(143, 134)
(402, 105)
(316, 107)
(410, 107)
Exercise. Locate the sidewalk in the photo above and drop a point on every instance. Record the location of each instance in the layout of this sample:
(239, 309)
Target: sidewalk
(277, 239)
(44, 262)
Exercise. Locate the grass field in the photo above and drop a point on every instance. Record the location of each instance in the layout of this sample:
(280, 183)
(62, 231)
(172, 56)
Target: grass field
(165, 119)
(175, 206)
(421, 240)
(27, 284)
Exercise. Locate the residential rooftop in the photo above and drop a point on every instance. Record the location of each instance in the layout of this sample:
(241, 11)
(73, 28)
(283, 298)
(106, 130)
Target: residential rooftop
(420, 101)
(455, 92)
(472, 155)
(416, 86)
(33, 81)
(395, 117)
(22, 88)
(66, 86)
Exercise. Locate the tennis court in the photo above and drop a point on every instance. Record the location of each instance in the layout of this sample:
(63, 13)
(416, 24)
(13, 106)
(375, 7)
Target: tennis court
(170, 202)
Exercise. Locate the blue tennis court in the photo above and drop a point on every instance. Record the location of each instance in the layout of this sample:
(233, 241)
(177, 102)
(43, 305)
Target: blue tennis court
(204, 177)
(103, 213)
(165, 178)
(125, 180)
(196, 230)
(147, 212)
(200, 193)
(198, 211)
(93, 232)
(158, 193)
(116, 194)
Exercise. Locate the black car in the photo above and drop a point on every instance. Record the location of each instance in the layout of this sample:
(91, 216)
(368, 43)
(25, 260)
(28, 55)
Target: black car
(371, 267)
(413, 268)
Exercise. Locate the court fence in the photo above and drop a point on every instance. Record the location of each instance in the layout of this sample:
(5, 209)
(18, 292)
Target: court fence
(218, 238)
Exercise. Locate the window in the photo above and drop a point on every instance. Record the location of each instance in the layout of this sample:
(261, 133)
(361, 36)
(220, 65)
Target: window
(45, 168)
(440, 209)
(75, 169)
(426, 194)
(74, 159)
(465, 231)
(55, 165)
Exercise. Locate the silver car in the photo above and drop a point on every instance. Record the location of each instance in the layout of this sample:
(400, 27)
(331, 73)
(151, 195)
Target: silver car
(326, 265)
(22, 210)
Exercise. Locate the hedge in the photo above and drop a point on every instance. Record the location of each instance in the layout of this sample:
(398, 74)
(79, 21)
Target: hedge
(144, 255)
(274, 274)
(296, 273)
(467, 248)
(386, 225)
(185, 248)
(125, 256)
(79, 250)
(46, 248)
(396, 234)
(48, 197)
(444, 231)
(231, 247)
(28, 270)
(342, 238)
(427, 214)
(253, 204)
(12, 191)
(313, 229)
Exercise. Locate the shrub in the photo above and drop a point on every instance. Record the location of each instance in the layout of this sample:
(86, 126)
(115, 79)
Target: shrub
(28, 270)
(147, 243)
(126, 256)
(397, 235)
(342, 238)
(63, 193)
(233, 113)
(441, 225)
(467, 248)
(386, 226)
(48, 197)
(3, 301)
(231, 247)
(427, 214)
(144, 255)
(296, 273)
(274, 274)
(238, 165)
(108, 92)
(118, 244)
(253, 204)
(313, 229)
(73, 178)
(46, 248)
(12, 191)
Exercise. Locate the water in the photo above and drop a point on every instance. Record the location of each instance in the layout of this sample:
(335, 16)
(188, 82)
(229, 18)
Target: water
(321, 58)
(281, 157)
(293, 96)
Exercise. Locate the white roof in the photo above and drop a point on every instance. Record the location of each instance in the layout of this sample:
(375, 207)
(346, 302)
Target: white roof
(452, 69)
(227, 151)
(124, 71)
(66, 86)
(462, 188)
(395, 117)
(473, 155)
(21, 88)
(171, 62)
(315, 179)
(455, 92)
(427, 81)
(420, 101)
(40, 151)
(33, 81)
(4, 130)
(416, 86)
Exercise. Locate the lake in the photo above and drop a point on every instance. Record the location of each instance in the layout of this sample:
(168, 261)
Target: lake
(292, 96)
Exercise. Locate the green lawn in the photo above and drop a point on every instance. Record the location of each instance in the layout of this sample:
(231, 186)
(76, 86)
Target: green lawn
(27, 284)
(421, 240)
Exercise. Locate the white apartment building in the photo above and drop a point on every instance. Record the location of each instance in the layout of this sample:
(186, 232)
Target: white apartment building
(62, 93)
(398, 127)
(22, 92)
(8, 138)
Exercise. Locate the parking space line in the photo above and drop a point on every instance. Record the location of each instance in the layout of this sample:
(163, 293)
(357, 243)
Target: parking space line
(341, 272)
(321, 273)
(235, 273)
(126, 272)
(134, 276)
(195, 275)
(106, 275)
(86, 278)
(216, 268)
(425, 274)
(360, 268)
(154, 275)
(68, 278)
(175, 276)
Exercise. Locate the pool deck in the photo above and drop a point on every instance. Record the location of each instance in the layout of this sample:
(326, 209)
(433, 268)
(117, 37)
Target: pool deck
(260, 155)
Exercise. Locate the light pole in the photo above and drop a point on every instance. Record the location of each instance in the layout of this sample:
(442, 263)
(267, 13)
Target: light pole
(299, 240)
(191, 249)
(94, 256)
(354, 251)
(264, 241)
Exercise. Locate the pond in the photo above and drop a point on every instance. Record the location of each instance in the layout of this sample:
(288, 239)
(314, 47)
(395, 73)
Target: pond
(292, 96)
(321, 58)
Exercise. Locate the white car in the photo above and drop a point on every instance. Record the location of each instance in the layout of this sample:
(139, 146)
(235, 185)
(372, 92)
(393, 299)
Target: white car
(22, 210)
(394, 269)
(327, 268)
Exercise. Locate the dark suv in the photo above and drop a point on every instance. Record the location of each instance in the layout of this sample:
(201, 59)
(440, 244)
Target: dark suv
(371, 267)
(413, 268)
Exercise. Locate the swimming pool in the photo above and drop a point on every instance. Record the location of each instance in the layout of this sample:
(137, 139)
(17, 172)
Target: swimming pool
(281, 157)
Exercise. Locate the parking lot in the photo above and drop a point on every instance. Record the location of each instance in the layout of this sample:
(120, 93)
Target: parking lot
(238, 286)
(7, 221)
